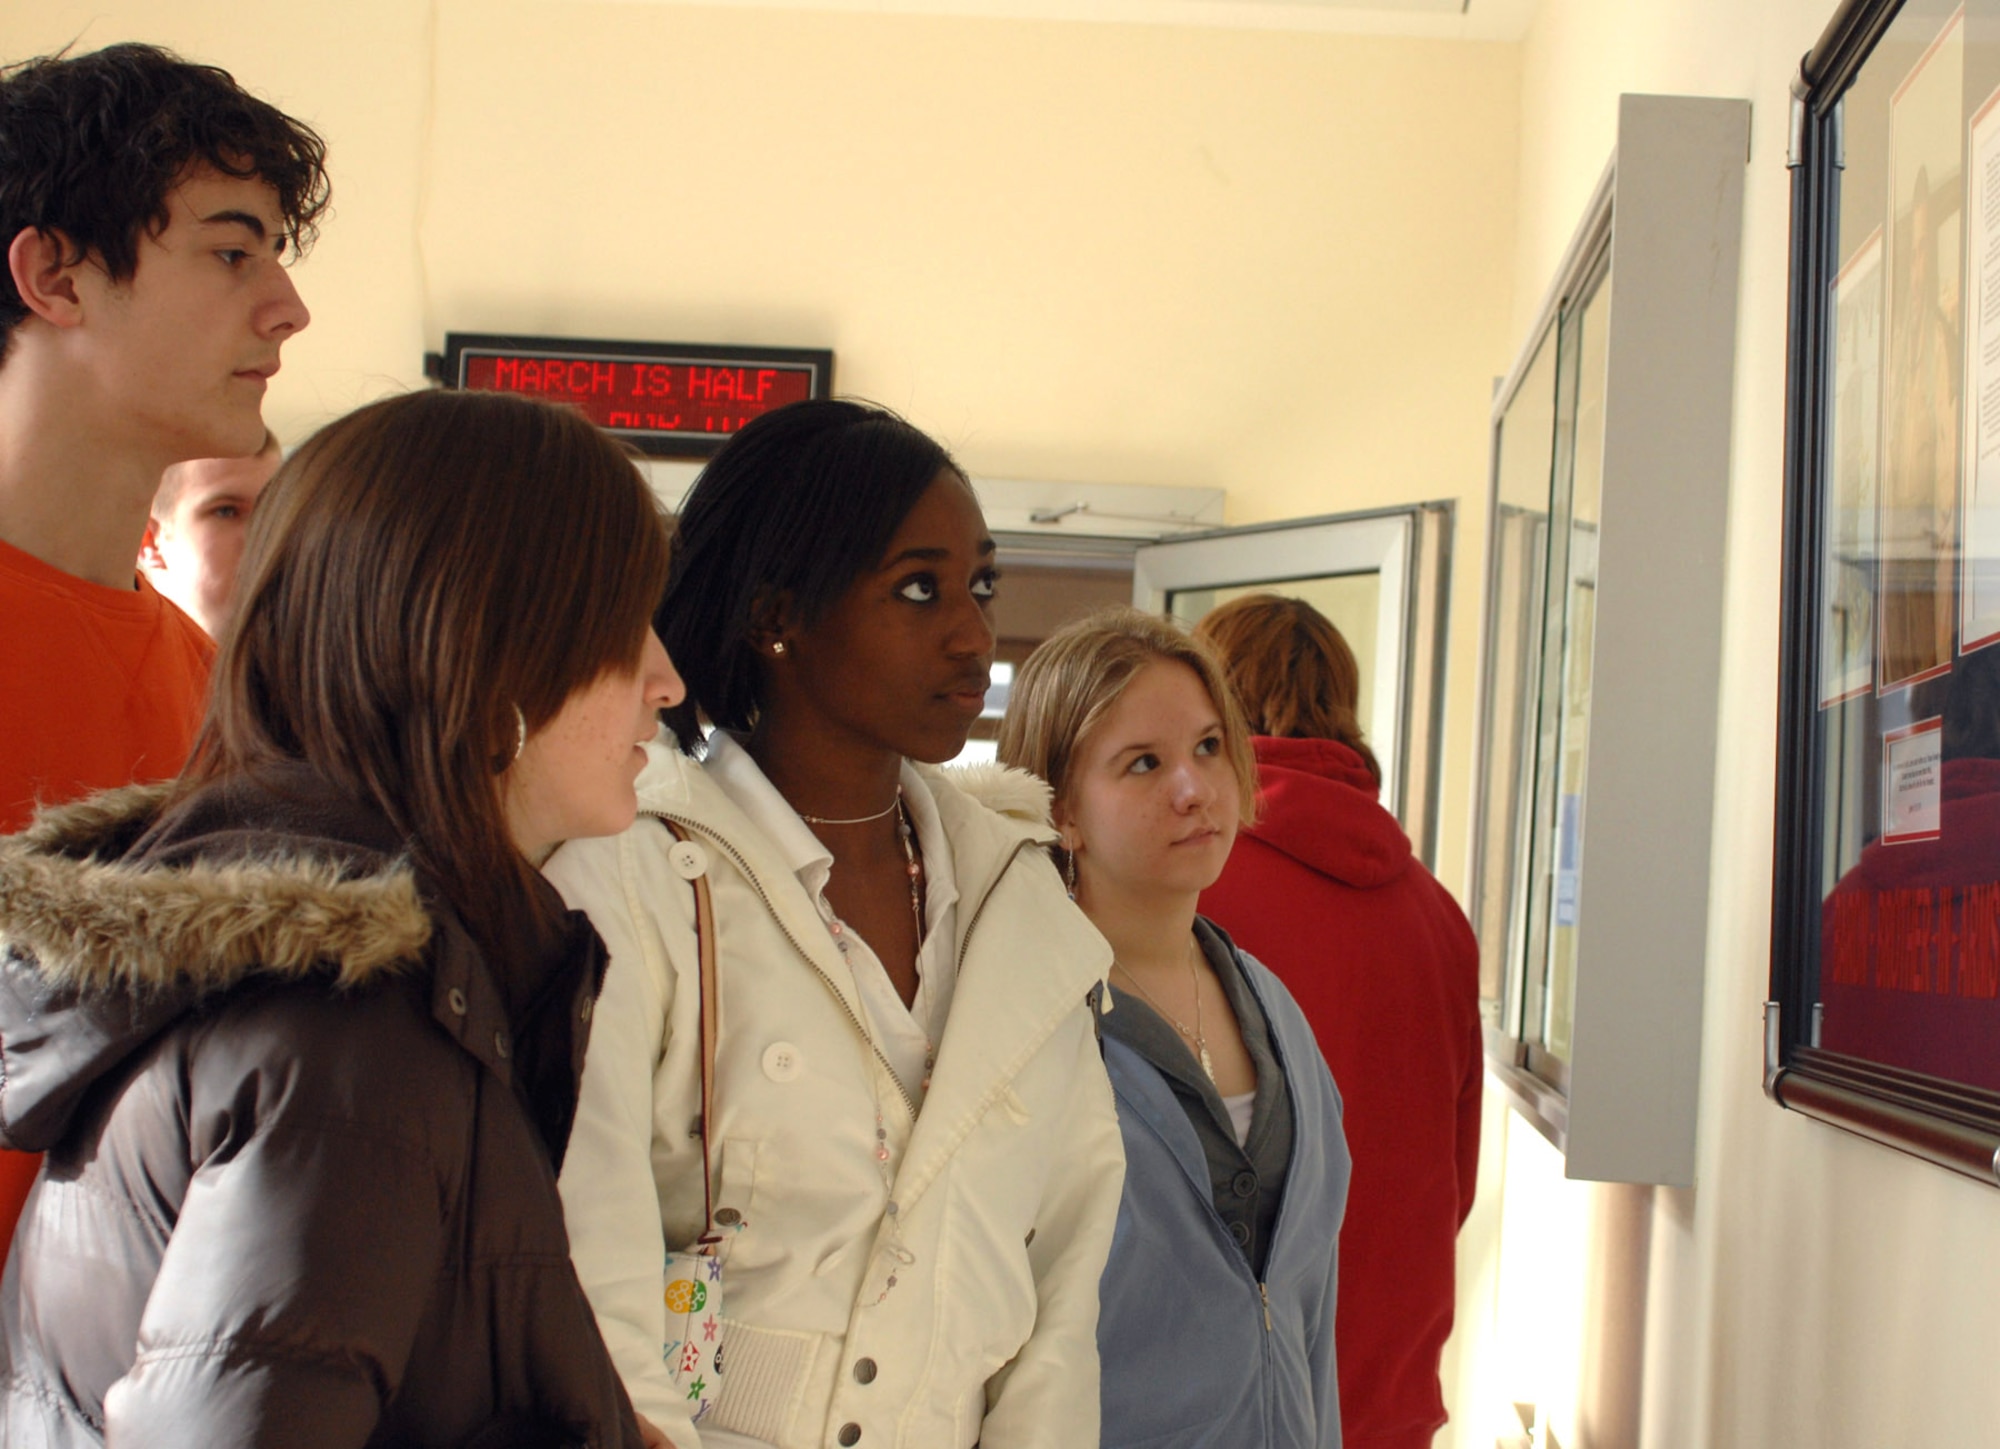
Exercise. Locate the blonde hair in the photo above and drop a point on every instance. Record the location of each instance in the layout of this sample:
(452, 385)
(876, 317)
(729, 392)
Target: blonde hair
(1078, 673)
(1293, 673)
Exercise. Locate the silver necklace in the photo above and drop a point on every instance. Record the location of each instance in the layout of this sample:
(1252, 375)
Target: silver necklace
(894, 804)
(906, 836)
(1197, 1036)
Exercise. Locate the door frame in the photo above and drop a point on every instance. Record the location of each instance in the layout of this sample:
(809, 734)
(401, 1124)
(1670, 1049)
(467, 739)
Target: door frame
(1408, 704)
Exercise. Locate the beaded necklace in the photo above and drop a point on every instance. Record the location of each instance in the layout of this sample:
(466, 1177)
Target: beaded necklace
(906, 835)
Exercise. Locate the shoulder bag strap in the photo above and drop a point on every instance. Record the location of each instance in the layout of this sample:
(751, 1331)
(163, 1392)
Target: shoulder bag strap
(704, 942)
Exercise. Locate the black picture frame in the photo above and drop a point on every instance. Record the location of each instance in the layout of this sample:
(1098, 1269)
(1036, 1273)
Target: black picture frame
(1946, 1122)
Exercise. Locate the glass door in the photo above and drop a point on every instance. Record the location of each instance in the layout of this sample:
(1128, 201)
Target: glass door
(1383, 578)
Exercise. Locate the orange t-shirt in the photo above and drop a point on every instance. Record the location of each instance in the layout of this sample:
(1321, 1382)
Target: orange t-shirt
(101, 687)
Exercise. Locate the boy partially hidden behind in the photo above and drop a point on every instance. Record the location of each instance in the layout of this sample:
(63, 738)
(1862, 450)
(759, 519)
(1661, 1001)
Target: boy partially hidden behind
(200, 520)
(148, 208)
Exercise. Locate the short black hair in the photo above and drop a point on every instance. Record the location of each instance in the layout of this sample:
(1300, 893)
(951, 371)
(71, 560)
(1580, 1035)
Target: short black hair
(91, 146)
(799, 504)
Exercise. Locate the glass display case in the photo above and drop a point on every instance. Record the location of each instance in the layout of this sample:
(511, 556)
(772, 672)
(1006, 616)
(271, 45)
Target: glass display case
(1550, 474)
(1602, 650)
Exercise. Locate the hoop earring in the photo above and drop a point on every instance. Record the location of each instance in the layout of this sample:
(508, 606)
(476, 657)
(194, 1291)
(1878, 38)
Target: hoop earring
(520, 733)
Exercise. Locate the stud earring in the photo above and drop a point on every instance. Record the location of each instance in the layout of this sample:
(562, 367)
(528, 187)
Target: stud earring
(778, 646)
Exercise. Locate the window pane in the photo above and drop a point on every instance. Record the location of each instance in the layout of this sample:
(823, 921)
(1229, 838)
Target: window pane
(1525, 450)
(1584, 456)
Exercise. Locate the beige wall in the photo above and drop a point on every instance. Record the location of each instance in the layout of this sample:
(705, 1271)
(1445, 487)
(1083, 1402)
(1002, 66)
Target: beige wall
(1812, 1290)
(1275, 263)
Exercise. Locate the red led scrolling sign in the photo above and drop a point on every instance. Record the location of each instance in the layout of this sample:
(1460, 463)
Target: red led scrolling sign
(668, 398)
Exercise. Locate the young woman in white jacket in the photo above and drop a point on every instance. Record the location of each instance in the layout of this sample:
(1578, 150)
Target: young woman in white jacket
(913, 1152)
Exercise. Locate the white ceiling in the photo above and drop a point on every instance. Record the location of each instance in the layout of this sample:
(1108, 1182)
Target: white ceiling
(1436, 19)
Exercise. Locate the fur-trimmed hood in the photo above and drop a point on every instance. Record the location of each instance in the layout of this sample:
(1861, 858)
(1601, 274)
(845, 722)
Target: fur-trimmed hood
(118, 916)
(92, 921)
(292, 1110)
(1001, 788)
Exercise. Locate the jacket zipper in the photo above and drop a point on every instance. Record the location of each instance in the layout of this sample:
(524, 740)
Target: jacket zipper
(743, 867)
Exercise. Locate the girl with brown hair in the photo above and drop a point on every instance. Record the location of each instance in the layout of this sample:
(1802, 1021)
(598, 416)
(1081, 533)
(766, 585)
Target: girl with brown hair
(1217, 1318)
(301, 1032)
(1324, 889)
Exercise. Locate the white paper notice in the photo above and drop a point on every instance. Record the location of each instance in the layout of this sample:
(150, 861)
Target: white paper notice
(1979, 528)
(1912, 782)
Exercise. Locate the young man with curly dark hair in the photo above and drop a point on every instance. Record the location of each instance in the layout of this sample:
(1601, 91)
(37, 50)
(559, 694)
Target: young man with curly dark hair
(148, 210)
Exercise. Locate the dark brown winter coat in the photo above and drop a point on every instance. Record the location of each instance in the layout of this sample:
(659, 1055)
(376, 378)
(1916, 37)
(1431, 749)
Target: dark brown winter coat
(300, 1184)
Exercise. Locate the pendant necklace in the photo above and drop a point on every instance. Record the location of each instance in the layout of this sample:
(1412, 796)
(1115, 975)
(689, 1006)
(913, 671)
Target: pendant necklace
(1196, 1038)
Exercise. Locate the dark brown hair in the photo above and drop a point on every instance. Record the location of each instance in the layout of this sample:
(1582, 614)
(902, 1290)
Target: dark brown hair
(1076, 675)
(1291, 670)
(416, 571)
(91, 145)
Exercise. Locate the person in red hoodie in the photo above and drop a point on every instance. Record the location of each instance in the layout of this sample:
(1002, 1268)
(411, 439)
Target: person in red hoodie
(1323, 888)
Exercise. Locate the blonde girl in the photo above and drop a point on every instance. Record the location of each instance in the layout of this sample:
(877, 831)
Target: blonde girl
(1217, 1306)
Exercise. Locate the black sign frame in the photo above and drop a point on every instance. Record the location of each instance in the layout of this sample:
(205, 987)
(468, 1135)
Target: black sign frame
(461, 347)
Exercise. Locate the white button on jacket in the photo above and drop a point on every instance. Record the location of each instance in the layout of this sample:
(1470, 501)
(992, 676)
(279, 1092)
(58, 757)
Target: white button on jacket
(1006, 1186)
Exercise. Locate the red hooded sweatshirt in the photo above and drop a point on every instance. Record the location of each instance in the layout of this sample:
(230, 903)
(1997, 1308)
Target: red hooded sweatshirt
(1323, 890)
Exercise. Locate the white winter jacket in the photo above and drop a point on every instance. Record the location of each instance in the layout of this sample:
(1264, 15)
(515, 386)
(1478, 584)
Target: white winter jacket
(1005, 1188)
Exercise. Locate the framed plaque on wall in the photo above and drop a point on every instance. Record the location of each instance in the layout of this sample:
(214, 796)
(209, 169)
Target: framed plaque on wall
(1885, 976)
